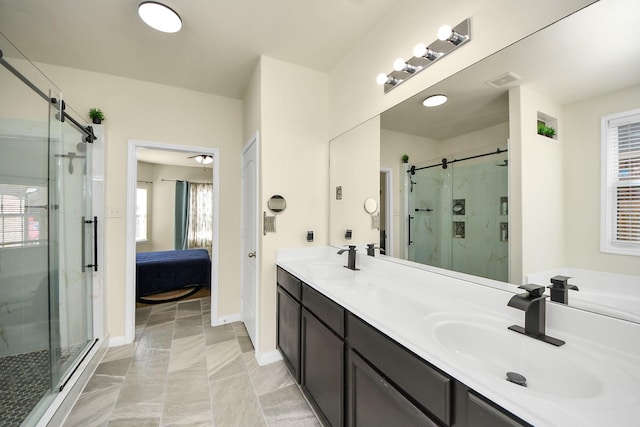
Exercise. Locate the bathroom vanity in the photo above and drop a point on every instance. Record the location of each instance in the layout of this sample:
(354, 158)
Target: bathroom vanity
(391, 344)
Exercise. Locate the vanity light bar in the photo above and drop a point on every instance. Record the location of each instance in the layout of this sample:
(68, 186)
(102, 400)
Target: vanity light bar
(449, 39)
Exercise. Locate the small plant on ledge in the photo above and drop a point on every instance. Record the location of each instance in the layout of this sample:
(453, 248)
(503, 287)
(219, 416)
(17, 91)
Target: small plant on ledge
(545, 130)
(405, 159)
(96, 115)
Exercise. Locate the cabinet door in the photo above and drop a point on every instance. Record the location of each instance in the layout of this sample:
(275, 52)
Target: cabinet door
(481, 413)
(323, 369)
(374, 402)
(288, 339)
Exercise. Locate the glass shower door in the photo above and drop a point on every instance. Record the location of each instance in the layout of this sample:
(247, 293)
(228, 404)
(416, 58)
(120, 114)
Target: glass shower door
(71, 255)
(430, 217)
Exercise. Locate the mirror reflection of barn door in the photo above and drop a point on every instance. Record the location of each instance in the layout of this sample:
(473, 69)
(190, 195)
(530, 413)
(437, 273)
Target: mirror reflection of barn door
(250, 237)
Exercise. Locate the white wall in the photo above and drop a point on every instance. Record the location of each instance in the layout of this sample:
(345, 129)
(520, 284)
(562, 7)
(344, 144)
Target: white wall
(294, 158)
(151, 112)
(581, 174)
(354, 95)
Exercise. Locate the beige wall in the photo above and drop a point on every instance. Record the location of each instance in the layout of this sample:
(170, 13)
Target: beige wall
(151, 112)
(393, 145)
(354, 95)
(581, 173)
(294, 163)
(536, 234)
(354, 159)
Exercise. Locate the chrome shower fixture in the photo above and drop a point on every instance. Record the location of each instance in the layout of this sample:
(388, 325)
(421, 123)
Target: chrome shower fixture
(449, 39)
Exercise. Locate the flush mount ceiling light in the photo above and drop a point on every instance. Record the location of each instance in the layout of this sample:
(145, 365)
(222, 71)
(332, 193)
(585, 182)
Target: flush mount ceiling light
(435, 100)
(159, 17)
(449, 39)
(204, 159)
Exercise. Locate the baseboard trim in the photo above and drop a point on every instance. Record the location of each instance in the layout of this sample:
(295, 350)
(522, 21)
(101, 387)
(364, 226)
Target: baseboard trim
(268, 357)
(226, 319)
(118, 341)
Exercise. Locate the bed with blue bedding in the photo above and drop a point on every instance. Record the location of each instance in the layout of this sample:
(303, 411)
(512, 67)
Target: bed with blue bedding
(164, 271)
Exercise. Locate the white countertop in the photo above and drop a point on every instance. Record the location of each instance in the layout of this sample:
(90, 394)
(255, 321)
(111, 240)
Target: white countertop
(461, 328)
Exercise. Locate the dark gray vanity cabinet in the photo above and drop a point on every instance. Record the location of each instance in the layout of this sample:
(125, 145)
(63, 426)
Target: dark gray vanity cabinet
(354, 375)
(404, 384)
(323, 355)
(374, 402)
(289, 311)
(473, 410)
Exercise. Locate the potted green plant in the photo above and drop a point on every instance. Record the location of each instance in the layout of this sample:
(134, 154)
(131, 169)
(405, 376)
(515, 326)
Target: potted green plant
(405, 159)
(96, 115)
(545, 130)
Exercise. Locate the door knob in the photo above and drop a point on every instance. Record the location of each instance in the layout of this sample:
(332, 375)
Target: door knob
(252, 254)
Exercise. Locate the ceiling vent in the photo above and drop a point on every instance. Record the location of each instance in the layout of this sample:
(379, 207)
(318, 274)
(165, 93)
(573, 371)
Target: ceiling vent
(506, 79)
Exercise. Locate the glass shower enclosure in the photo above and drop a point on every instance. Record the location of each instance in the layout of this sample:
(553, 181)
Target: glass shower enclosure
(47, 244)
(458, 214)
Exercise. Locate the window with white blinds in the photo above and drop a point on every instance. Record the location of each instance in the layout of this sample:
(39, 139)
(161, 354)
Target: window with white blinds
(23, 215)
(621, 183)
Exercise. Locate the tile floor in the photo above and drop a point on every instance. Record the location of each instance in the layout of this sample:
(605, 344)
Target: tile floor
(182, 372)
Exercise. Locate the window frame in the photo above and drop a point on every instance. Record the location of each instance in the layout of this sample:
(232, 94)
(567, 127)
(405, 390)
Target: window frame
(609, 184)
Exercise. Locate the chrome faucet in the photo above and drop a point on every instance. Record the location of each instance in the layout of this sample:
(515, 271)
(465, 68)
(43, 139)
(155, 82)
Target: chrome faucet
(532, 302)
(351, 262)
(560, 288)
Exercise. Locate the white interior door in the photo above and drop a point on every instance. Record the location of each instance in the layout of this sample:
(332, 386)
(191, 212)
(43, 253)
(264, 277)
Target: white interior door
(249, 237)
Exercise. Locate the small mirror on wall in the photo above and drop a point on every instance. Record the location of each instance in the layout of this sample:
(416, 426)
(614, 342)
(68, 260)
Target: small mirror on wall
(371, 206)
(277, 203)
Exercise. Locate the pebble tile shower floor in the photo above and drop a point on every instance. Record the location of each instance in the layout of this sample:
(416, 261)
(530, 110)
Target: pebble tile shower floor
(182, 372)
(24, 379)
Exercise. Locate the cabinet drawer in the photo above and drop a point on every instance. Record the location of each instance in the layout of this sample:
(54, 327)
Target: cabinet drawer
(373, 402)
(424, 383)
(291, 283)
(481, 413)
(326, 310)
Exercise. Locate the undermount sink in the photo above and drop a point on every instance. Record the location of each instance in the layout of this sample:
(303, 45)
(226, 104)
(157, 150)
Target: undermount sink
(329, 271)
(484, 343)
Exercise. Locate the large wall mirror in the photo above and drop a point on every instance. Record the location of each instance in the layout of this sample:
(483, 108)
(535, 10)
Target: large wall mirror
(482, 193)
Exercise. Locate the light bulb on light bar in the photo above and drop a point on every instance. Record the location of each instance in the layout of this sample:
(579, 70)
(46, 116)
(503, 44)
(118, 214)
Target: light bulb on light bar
(446, 33)
(422, 51)
(434, 100)
(383, 79)
(401, 65)
(159, 17)
(207, 160)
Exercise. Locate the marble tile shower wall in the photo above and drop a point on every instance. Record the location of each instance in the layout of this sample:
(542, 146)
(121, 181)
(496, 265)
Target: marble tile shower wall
(482, 252)
(182, 372)
(479, 247)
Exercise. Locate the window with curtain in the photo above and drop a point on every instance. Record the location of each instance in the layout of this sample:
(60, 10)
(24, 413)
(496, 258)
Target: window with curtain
(200, 229)
(621, 183)
(141, 214)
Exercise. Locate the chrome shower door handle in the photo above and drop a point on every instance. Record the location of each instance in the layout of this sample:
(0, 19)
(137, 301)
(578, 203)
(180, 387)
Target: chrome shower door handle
(252, 254)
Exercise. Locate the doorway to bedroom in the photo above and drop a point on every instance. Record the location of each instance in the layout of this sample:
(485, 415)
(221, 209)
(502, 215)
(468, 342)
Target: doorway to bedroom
(172, 213)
